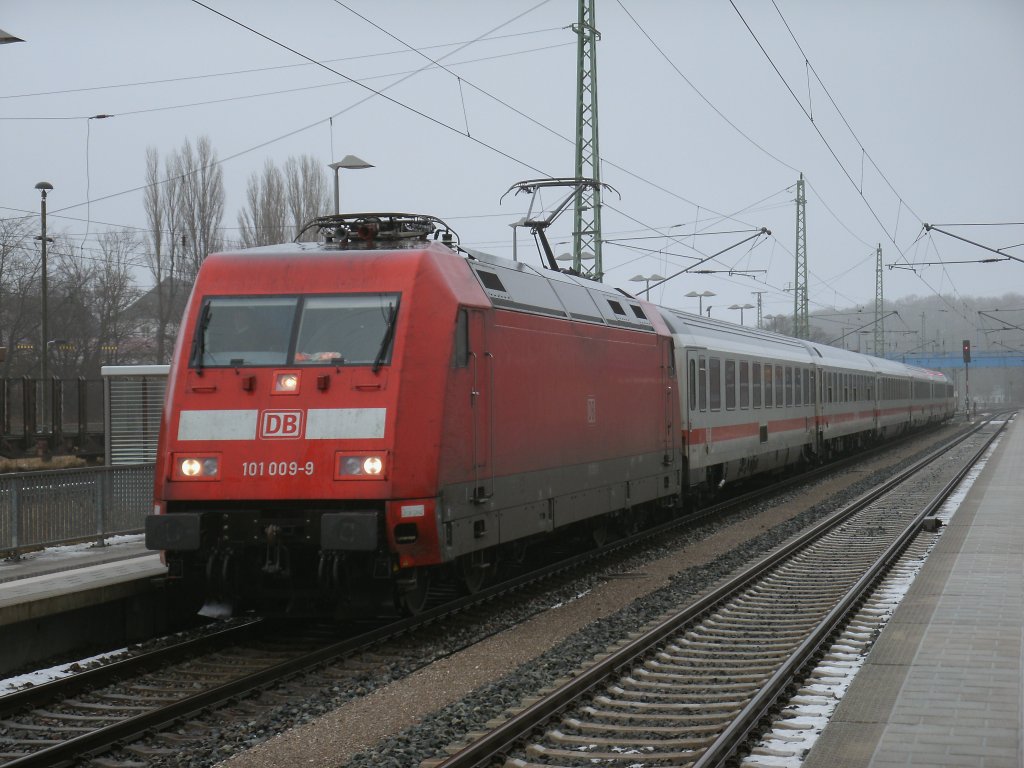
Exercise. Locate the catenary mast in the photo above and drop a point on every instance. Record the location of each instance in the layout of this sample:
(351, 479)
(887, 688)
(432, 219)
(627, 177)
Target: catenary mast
(801, 319)
(587, 217)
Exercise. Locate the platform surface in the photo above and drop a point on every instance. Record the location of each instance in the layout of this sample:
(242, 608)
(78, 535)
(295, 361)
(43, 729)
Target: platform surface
(943, 684)
(54, 581)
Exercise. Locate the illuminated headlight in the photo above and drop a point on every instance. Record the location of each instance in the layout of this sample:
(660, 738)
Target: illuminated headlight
(361, 466)
(191, 467)
(197, 467)
(286, 382)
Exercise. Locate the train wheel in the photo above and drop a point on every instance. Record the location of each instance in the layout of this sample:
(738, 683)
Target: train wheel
(412, 591)
(599, 532)
(474, 573)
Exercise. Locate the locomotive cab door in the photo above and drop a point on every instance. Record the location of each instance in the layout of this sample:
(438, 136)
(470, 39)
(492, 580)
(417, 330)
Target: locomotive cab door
(481, 361)
(670, 383)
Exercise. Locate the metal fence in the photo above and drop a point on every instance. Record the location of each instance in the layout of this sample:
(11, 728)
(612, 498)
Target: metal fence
(62, 506)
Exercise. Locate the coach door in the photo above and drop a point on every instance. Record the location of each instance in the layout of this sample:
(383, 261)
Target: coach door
(481, 363)
(698, 434)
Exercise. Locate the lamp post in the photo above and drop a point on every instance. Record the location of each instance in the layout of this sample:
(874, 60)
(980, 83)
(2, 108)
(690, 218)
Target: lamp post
(349, 162)
(700, 299)
(646, 279)
(43, 187)
(741, 307)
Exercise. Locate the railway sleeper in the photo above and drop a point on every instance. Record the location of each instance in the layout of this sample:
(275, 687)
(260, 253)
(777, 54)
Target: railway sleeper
(682, 719)
(582, 726)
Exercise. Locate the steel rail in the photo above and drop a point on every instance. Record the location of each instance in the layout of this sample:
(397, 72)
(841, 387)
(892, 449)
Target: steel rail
(62, 687)
(504, 737)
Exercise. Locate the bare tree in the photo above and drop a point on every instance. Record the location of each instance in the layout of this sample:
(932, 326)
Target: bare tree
(112, 292)
(19, 293)
(279, 202)
(71, 324)
(308, 192)
(262, 221)
(184, 211)
(163, 256)
(200, 202)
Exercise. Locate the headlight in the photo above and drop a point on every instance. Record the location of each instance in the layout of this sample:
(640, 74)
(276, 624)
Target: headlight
(196, 467)
(361, 466)
(286, 382)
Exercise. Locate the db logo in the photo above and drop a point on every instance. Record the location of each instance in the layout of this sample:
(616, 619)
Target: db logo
(280, 425)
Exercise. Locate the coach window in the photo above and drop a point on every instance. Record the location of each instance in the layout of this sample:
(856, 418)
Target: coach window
(756, 378)
(702, 383)
(798, 392)
(780, 390)
(789, 385)
(715, 383)
(693, 384)
(744, 384)
(730, 385)
(808, 387)
(846, 387)
(769, 398)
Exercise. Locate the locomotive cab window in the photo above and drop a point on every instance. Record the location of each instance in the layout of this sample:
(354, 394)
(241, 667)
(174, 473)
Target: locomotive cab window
(352, 329)
(460, 350)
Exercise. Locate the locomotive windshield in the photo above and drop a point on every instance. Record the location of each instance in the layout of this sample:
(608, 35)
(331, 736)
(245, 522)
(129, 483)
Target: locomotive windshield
(352, 329)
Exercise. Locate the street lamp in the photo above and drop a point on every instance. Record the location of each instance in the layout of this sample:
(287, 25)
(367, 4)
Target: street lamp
(700, 298)
(349, 162)
(585, 256)
(741, 307)
(646, 279)
(43, 187)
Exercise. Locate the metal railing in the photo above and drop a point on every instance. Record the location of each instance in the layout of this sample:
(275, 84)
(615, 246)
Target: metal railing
(64, 506)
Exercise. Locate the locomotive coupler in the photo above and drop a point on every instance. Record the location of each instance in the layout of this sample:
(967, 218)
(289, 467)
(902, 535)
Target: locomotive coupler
(277, 560)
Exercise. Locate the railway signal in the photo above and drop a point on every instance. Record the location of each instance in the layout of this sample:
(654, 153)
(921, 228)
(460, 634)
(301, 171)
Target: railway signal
(967, 350)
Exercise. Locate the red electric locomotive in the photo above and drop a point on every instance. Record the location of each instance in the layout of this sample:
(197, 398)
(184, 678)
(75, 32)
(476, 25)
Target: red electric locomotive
(346, 420)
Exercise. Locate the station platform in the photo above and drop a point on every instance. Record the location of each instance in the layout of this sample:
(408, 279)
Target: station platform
(943, 684)
(53, 581)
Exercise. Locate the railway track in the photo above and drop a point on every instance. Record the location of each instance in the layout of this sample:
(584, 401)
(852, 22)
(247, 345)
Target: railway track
(61, 722)
(693, 687)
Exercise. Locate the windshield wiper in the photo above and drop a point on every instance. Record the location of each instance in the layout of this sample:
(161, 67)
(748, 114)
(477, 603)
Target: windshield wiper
(389, 334)
(199, 341)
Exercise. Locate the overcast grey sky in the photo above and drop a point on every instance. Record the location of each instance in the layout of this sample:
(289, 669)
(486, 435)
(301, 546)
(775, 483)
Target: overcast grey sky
(932, 89)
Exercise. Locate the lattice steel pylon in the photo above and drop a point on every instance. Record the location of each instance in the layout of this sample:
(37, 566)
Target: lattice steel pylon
(801, 317)
(586, 235)
(879, 322)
